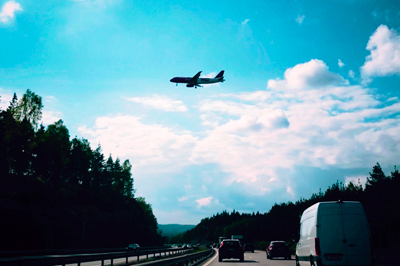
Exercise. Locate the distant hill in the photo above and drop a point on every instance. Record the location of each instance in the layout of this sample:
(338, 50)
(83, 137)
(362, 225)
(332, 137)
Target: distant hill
(174, 229)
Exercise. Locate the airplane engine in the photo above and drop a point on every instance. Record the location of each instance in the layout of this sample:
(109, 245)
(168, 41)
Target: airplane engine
(189, 85)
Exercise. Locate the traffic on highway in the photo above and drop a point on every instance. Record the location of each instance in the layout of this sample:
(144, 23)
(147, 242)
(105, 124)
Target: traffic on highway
(251, 259)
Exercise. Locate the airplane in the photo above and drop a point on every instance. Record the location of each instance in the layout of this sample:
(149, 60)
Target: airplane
(195, 81)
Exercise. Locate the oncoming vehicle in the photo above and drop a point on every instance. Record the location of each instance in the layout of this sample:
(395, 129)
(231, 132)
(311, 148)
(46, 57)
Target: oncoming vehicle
(230, 248)
(334, 233)
(133, 247)
(278, 249)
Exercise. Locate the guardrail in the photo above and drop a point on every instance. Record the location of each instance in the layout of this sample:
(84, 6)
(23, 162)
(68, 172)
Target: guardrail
(196, 258)
(23, 253)
(50, 260)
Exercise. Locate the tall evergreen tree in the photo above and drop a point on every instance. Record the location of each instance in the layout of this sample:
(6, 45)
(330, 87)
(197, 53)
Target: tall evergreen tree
(127, 179)
(376, 175)
(13, 107)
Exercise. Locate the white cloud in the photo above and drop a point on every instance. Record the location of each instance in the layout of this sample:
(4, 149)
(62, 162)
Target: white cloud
(204, 201)
(362, 180)
(312, 74)
(244, 22)
(5, 99)
(340, 63)
(227, 107)
(8, 10)
(290, 191)
(319, 124)
(256, 96)
(50, 117)
(351, 74)
(160, 102)
(312, 118)
(182, 199)
(300, 19)
(145, 145)
(384, 60)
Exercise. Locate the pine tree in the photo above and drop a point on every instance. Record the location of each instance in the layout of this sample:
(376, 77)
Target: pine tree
(376, 176)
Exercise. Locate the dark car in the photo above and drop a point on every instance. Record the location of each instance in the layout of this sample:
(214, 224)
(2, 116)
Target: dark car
(133, 247)
(230, 249)
(249, 247)
(278, 249)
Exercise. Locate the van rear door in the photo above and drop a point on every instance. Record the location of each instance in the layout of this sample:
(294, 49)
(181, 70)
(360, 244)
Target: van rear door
(331, 235)
(356, 234)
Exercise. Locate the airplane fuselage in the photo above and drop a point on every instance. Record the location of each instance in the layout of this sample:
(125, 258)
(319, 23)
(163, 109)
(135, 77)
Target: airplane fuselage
(199, 80)
(196, 80)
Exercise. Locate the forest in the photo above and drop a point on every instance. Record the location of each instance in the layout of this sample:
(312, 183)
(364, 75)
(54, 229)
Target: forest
(380, 198)
(57, 193)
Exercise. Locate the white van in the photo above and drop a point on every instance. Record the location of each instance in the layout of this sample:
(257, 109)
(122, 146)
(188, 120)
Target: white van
(334, 233)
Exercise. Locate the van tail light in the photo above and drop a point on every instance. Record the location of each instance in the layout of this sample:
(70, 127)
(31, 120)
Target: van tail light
(317, 247)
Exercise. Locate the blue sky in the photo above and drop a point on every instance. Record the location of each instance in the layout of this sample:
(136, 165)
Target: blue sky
(311, 93)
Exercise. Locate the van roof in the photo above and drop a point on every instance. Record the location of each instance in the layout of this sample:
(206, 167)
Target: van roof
(309, 212)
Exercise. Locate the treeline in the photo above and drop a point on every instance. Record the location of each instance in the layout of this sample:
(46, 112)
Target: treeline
(380, 198)
(59, 193)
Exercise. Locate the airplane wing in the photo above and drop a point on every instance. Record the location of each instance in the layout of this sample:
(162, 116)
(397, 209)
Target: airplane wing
(194, 79)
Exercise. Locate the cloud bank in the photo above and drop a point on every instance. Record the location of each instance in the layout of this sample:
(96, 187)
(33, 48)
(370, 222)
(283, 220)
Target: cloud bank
(311, 118)
(160, 102)
(8, 11)
(384, 60)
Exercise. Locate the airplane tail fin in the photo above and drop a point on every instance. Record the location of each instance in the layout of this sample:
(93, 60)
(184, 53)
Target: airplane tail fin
(220, 74)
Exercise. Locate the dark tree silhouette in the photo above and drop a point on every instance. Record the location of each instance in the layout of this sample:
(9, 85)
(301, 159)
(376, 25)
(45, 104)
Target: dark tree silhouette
(59, 193)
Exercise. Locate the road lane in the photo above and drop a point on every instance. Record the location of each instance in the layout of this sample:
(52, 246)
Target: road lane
(251, 259)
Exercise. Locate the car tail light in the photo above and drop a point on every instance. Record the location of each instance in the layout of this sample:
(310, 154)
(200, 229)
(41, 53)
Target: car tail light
(317, 247)
(221, 244)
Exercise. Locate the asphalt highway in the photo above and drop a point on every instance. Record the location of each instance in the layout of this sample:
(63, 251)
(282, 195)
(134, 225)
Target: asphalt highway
(251, 259)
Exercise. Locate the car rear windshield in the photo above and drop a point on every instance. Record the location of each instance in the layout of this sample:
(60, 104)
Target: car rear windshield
(231, 243)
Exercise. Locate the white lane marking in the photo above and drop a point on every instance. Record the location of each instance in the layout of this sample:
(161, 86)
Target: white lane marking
(212, 259)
